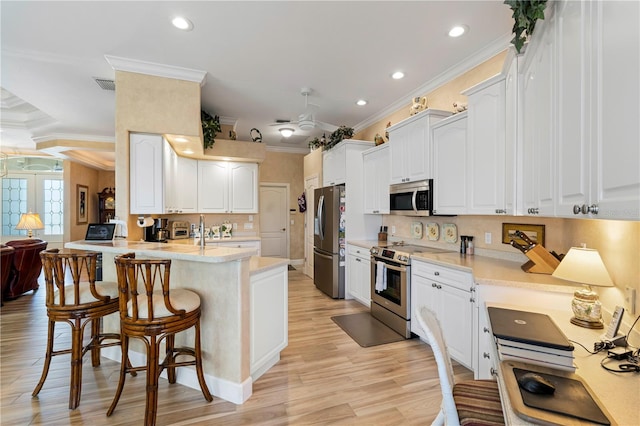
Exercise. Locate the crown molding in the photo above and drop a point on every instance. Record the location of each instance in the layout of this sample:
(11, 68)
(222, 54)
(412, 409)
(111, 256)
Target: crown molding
(449, 74)
(74, 137)
(158, 70)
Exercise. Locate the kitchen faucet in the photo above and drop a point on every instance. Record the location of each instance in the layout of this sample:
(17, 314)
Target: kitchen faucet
(202, 241)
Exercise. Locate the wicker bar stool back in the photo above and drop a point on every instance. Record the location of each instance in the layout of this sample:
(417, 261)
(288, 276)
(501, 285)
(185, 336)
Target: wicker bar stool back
(75, 297)
(151, 311)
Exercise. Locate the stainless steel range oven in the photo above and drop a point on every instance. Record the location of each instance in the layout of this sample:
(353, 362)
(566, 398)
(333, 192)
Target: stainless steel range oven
(391, 285)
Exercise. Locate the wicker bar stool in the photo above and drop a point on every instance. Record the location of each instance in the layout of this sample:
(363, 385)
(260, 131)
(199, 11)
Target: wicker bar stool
(150, 311)
(76, 303)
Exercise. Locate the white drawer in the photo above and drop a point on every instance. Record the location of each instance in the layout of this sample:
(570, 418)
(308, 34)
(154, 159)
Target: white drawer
(442, 274)
(358, 251)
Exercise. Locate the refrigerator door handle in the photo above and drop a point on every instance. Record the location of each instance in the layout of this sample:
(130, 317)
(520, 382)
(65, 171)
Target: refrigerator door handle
(320, 217)
(324, 256)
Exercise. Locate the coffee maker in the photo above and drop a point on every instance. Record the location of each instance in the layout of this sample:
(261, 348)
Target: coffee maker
(157, 232)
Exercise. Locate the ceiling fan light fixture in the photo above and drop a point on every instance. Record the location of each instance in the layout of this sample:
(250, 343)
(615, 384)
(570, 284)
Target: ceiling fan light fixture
(286, 132)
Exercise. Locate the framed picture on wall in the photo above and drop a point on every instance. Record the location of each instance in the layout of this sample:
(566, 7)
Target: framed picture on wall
(82, 200)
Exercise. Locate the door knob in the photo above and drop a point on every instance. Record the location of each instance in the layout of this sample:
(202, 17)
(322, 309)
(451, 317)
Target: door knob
(284, 229)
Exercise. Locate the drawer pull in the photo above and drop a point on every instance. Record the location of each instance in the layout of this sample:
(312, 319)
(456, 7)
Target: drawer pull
(486, 329)
(486, 355)
(494, 372)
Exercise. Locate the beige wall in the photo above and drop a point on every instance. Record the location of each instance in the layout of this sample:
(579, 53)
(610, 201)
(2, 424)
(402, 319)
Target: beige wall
(80, 175)
(150, 104)
(281, 167)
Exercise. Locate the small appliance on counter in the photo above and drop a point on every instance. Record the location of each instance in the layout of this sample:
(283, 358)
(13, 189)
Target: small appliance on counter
(179, 230)
(158, 232)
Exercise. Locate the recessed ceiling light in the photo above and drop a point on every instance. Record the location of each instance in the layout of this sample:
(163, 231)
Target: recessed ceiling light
(182, 23)
(181, 139)
(286, 132)
(397, 75)
(457, 31)
(361, 102)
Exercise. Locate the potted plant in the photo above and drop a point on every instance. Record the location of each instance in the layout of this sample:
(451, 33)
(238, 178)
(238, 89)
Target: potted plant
(210, 127)
(525, 15)
(342, 132)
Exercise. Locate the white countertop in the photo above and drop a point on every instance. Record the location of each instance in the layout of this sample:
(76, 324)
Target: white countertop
(196, 241)
(259, 264)
(193, 253)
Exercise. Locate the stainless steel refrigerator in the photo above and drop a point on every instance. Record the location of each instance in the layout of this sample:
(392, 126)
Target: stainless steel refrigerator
(329, 240)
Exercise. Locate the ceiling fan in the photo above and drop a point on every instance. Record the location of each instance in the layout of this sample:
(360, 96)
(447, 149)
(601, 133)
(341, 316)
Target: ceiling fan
(306, 120)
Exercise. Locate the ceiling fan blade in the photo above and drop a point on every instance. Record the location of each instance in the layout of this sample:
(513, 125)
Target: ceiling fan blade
(326, 126)
(283, 123)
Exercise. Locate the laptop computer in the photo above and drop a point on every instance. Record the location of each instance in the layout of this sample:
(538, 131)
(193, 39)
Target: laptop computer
(527, 327)
(100, 232)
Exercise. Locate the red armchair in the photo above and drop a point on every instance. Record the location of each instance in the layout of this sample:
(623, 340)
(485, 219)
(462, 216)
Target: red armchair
(6, 266)
(26, 267)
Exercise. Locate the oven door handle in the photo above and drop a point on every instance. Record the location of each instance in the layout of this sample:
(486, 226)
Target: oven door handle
(389, 266)
(413, 201)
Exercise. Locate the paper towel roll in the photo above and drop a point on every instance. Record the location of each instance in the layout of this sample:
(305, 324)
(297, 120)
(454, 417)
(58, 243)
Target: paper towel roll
(144, 222)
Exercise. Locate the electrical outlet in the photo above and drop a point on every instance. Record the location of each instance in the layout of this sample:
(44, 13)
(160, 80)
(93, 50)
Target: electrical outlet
(630, 300)
(487, 237)
(248, 225)
(393, 230)
(235, 226)
(250, 218)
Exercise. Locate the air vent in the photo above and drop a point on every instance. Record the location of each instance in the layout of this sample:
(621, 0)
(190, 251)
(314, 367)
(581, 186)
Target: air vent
(105, 84)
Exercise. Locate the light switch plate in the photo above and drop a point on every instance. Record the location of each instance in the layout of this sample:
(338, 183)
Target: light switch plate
(248, 225)
(630, 300)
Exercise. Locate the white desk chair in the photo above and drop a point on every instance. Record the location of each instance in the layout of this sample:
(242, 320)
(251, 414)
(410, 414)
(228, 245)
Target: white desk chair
(471, 402)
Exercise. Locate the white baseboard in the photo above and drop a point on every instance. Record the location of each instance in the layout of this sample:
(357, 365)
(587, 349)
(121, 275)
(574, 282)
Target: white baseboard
(237, 393)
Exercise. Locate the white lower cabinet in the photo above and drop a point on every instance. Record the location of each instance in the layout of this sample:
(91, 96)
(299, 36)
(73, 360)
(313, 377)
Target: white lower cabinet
(449, 293)
(358, 274)
(269, 318)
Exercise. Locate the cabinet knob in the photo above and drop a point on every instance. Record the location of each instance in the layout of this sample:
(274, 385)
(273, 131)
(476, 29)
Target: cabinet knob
(494, 372)
(438, 286)
(434, 285)
(577, 209)
(501, 211)
(593, 208)
(472, 300)
(533, 210)
(436, 273)
(486, 355)
(485, 329)
(358, 260)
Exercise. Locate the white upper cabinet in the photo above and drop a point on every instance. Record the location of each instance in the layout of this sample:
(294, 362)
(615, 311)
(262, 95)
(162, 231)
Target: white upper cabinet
(538, 119)
(243, 187)
(410, 143)
(449, 165)
(615, 110)
(226, 187)
(598, 64)
(376, 176)
(486, 148)
(160, 180)
(146, 176)
(334, 165)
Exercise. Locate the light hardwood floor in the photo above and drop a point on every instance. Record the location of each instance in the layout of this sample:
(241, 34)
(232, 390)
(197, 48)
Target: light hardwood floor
(323, 376)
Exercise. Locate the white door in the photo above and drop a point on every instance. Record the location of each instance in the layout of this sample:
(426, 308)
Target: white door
(274, 220)
(41, 193)
(310, 184)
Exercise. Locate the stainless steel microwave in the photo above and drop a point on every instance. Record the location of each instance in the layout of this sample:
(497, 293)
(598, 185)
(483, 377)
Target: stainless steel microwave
(411, 198)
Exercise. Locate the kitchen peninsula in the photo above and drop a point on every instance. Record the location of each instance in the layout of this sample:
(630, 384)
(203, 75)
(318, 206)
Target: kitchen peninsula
(244, 309)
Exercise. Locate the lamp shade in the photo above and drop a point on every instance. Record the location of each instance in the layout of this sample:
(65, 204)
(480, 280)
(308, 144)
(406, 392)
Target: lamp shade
(584, 266)
(30, 221)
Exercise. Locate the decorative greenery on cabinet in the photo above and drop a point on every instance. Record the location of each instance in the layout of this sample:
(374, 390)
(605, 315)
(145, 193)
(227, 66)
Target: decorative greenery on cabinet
(342, 132)
(525, 15)
(210, 127)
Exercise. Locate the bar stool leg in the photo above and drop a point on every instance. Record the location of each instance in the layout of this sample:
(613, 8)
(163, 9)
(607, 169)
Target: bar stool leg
(152, 381)
(199, 371)
(76, 365)
(170, 358)
(96, 328)
(124, 346)
(47, 357)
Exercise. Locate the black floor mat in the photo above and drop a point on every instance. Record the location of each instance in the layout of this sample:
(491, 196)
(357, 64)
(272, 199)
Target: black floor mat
(366, 330)
(291, 268)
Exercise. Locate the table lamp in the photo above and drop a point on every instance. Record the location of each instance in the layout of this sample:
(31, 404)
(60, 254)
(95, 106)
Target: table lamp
(30, 221)
(585, 266)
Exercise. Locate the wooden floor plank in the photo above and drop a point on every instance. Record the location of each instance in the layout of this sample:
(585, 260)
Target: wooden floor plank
(323, 377)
